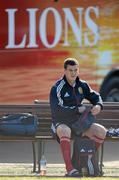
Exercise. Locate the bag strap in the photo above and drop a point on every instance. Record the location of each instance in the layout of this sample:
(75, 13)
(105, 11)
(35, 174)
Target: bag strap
(85, 114)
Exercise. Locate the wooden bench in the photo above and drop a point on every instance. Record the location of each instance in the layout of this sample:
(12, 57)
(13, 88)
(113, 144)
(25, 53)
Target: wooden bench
(42, 111)
(109, 117)
(14, 109)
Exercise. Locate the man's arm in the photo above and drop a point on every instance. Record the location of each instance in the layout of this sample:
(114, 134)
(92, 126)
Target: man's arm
(95, 98)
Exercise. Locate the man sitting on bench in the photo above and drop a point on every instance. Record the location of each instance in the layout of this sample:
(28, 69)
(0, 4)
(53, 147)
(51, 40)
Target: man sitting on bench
(66, 97)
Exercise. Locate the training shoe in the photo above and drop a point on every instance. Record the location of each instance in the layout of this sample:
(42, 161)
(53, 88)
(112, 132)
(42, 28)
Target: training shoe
(110, 132)
(73, 173)
(113, 132)
(117, 132)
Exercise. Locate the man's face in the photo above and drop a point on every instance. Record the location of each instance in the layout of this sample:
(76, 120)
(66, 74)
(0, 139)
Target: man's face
(71, 73)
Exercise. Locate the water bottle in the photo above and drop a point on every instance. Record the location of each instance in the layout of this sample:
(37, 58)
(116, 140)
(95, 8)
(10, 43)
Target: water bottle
(43, 164)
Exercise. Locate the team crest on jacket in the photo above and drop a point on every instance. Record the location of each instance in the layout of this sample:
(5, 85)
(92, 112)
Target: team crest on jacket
(80, 90)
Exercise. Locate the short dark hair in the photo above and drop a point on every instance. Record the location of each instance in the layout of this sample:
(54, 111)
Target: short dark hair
(70, 61)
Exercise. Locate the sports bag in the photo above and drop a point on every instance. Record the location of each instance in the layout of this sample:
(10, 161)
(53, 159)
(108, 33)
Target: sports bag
(19, 124)
(84, 157)
(84, 122)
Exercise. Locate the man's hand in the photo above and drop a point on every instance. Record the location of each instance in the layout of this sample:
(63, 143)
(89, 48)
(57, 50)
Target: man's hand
(81, 109)
(96, 109)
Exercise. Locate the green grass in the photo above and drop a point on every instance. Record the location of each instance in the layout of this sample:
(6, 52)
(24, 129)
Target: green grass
(50, 178)
(24, 172)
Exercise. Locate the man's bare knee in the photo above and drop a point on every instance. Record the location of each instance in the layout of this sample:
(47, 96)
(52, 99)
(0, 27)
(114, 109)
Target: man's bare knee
(98, 130)
(63, 130)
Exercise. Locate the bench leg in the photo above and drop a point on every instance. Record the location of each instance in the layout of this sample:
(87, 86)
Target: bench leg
(101, 159)
(97, 156)
(34, 156)
(41, 144)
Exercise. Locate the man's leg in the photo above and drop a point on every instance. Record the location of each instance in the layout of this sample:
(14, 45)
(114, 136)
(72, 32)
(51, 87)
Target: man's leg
(96, 132)
(64, 134)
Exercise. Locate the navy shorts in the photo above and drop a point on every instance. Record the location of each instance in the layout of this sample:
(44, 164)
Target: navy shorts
(54, 127)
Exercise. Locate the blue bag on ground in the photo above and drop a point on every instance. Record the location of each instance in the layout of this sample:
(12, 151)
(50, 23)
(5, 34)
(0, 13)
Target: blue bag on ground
(19, 124)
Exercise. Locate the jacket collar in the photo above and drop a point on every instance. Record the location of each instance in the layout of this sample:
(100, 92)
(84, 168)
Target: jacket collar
(65, 79)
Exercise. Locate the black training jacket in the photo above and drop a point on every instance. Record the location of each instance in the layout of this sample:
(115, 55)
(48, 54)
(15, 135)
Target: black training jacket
(64, 99)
